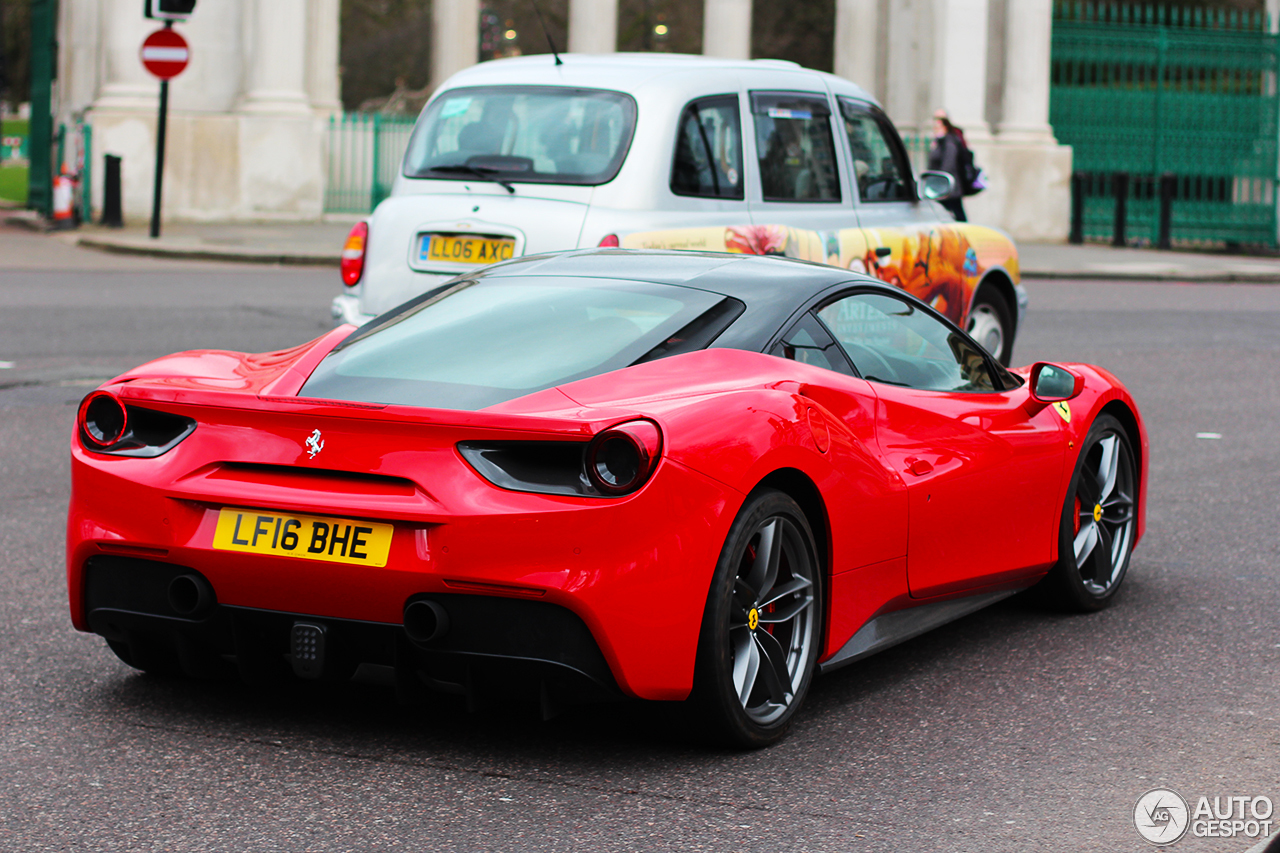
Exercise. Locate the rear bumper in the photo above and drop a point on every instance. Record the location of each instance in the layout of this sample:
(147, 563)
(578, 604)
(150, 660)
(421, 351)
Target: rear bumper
(634, 571)
(345, 308)
(491, 646)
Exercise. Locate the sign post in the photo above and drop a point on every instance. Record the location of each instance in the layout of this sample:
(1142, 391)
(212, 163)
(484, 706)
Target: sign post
(165, 54)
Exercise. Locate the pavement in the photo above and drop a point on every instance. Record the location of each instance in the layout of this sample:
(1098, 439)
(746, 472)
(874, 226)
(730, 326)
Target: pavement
(319, 243)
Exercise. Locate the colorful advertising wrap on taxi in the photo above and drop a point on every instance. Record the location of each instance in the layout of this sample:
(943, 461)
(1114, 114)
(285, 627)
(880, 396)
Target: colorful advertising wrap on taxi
(940, 264)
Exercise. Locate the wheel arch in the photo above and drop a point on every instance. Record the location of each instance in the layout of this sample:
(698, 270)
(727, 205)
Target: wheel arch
(798, 486)
(1121, 412)
(999, 281)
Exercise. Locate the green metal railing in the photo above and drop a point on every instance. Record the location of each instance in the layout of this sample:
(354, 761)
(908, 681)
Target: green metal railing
(1187, 92)
(365, 150)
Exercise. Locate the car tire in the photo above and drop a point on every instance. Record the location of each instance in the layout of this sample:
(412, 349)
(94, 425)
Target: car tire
(1099, 522)
(762, 627)
(990, 323)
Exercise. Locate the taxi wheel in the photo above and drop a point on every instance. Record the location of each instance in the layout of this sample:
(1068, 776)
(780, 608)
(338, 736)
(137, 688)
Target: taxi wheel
(761, 630)
(1099, 522)
(991, 324)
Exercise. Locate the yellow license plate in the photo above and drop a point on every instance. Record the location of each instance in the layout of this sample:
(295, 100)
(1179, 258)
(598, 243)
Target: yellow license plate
(465, 250)
(308, 537)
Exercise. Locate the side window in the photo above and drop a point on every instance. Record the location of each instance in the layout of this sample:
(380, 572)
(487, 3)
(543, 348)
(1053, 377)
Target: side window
(879, 164)
(808, 343)
(708, 161)
(892, 341)
(795, 147)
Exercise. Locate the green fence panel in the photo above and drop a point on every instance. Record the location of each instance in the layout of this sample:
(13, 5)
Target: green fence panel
(1152, 90)
(365, 151)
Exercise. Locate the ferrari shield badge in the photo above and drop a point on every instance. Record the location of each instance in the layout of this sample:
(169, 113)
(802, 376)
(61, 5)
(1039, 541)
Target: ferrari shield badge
(314, 444)
(1060, 407)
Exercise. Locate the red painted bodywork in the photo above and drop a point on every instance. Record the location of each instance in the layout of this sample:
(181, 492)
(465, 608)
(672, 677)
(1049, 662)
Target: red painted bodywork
(636, 569)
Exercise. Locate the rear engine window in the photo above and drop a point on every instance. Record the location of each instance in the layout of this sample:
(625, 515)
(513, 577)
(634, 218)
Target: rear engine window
(484, 341)
(523, 133)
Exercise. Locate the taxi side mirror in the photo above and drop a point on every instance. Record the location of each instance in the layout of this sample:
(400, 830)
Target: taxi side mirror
(936, 185)
(1051, 383)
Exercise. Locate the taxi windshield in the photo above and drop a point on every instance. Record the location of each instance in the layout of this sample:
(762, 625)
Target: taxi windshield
(542, 134)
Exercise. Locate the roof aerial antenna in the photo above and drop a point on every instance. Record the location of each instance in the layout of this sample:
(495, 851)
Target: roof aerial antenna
(546, 32)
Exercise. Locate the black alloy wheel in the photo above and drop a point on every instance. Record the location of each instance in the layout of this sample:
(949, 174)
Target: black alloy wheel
(762, 628)
(1099, 521)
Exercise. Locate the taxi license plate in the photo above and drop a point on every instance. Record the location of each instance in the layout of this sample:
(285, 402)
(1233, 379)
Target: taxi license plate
(308, 537)
(464, 250)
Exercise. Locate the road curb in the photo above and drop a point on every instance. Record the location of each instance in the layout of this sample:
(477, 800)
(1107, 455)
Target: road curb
(198, 253)
(1193, 276)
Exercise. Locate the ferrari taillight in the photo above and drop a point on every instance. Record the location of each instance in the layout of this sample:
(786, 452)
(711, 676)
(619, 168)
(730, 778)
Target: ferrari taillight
(107, 425)
(620, 459)
(103, 419)
(609, 241)
(353, 254)
(616, 462)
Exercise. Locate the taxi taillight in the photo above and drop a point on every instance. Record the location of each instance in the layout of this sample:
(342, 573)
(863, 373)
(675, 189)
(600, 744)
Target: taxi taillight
(353, 254)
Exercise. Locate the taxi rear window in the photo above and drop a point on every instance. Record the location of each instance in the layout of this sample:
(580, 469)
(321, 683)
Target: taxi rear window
(544, 134)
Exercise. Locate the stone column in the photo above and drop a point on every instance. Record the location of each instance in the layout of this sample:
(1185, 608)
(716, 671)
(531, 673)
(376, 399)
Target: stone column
(280, 142)
(277, 51)
(593, 26)
(960, 72)
(726, 28)
(323, 84)
(125, 83)
(1028, 36)
(857, 47)
(455, 39)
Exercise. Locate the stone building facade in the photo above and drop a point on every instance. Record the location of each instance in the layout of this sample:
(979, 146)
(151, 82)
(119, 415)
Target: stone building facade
(248, 117)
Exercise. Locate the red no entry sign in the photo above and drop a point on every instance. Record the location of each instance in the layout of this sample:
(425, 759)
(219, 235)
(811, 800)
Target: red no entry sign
(165, 54)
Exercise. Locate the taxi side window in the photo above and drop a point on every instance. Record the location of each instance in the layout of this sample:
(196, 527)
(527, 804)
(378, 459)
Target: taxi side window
(795, 147)
(708, 159)
(879, 164)
(895, 342)
(808, 343)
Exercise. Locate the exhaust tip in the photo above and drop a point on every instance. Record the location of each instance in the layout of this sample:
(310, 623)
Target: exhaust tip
(425, 620)
(190, 595)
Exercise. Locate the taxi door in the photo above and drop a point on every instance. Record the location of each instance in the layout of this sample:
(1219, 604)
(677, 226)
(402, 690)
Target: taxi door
(800, 201)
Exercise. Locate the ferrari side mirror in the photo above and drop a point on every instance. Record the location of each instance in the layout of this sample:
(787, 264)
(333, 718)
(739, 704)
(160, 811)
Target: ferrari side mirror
(1052, 382)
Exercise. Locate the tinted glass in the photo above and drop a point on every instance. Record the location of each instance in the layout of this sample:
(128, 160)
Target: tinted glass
(879, 166)
(708, 158)
(794, 144)
(890, 340)
(807, 342)
(481, 342)
(523, 133)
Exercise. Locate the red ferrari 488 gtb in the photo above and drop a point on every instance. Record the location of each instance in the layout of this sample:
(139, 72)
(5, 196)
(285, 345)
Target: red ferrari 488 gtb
(661, 475)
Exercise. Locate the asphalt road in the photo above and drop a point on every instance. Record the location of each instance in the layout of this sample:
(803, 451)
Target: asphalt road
(1010, 730)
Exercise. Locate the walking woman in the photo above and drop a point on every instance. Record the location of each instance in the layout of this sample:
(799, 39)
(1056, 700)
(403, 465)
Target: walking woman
(948, 155)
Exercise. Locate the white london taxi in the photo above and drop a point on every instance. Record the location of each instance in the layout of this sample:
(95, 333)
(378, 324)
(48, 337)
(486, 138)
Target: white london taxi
(524, 155)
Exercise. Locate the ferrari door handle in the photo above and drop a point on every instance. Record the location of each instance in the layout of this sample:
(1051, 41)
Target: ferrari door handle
(920, 467)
